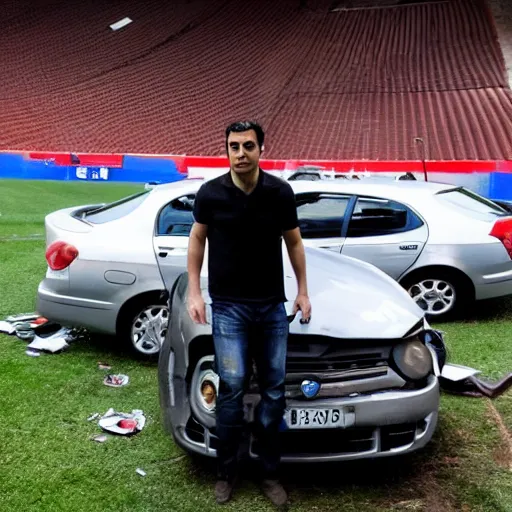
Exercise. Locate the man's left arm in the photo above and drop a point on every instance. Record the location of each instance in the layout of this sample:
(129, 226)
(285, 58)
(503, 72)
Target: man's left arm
(295, 247)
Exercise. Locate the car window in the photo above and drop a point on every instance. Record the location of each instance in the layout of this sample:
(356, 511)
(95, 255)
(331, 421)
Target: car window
(321, 216)
(374, 217)
(176, 218)
(117, 209)
(472, 204)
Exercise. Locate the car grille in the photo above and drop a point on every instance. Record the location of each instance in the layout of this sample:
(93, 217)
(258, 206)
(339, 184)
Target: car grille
(317, 354)
(342, 366)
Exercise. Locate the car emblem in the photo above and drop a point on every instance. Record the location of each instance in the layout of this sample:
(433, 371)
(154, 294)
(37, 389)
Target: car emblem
(310, 388)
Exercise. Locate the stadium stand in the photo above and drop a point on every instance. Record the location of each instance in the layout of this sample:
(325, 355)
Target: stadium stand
(328, 80)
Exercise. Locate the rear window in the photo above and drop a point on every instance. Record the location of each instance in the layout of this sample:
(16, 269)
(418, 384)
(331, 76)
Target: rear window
(472, 203)
(117, 209)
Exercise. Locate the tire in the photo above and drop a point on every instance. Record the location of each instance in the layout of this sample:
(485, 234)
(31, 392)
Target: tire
(441, 294)
(143, 327)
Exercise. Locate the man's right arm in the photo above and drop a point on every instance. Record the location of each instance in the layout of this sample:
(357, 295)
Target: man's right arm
(195, 257)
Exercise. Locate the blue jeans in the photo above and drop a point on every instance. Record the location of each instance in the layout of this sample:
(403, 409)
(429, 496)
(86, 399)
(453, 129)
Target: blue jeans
(241, 333)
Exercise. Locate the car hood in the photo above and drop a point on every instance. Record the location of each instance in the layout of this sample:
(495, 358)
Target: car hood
(350, 299)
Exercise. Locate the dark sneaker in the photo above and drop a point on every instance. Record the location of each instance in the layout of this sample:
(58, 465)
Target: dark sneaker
(223, 491)
(274, 491)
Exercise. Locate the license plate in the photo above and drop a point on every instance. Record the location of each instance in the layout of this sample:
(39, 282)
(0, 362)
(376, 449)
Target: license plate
(57, 274)
(314, 418)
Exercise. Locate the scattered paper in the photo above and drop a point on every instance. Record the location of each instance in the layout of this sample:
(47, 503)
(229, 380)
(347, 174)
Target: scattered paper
(116, 381)
(123, 423)
(32, 353)
(104, 366)
(101, 438)
(93, 417)
(50, 344)
(121, 23)
(6, 327)
(456, 372)
(141, 472)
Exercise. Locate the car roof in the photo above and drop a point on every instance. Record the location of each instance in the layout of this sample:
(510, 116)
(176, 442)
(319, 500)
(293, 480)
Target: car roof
(380, 187)
(377, 187)
(188, 185)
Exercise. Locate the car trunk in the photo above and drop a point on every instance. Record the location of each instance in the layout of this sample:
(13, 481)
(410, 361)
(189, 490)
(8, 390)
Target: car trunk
(62, 223)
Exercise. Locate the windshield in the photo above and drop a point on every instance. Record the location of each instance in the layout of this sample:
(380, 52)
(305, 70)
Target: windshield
(472, 203)
(117, 209)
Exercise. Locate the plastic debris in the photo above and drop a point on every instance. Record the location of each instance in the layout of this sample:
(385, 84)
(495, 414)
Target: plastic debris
(457, 372)
(38, 321)
(470, 385)
(121, 23)
(41, 333)
(50, 338)
(93, 417)
(51, 344)
(141, 472)
(116, 381)
(104, 366)
(25, 335)
(100, 438)
(7, 328)
(123, 423)
(22, 317)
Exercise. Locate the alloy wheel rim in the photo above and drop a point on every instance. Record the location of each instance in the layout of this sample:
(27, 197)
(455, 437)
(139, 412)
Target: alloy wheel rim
(434, 296)
(149, 329)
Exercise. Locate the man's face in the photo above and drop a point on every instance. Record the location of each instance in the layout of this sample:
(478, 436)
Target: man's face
(243, 152)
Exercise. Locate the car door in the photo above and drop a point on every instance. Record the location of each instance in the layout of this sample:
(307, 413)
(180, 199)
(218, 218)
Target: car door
(321, 219)
(385, 233)
(173, 225)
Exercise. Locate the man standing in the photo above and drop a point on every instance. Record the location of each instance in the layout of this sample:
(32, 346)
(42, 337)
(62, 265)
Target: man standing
(244, 214)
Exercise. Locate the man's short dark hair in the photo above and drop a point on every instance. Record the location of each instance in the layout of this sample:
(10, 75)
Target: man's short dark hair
(243, 126)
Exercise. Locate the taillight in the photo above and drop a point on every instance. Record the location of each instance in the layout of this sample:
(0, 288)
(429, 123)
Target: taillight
(502, 230)
(60, 255)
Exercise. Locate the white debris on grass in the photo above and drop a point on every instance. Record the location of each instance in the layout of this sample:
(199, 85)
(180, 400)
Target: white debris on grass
(457, 372)
(141, 472)
(51, 344)
(116, 381)
(7, 327)
(123, 423)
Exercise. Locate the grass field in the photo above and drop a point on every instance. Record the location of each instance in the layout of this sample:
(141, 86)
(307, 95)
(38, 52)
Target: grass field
(49, 463)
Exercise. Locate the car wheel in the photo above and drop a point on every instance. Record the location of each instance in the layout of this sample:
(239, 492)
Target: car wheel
(439, 294)
(148, 329)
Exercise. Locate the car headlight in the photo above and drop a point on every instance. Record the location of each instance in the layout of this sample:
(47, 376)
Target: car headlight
(207, 390)
(412, 359)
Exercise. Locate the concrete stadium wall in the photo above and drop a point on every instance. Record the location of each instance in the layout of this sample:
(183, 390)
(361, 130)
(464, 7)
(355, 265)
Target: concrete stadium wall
(488, 178)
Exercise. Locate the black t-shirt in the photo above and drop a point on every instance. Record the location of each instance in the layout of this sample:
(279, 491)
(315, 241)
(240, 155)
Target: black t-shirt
(245, 262)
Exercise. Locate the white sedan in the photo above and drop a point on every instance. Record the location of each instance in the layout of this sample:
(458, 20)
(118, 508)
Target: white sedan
(110, 266)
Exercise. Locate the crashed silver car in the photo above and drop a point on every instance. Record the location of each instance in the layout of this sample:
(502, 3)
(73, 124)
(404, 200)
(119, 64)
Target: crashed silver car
(362, 376)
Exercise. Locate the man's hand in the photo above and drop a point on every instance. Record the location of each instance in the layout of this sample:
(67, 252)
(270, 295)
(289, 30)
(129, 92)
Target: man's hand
(302, 303)
(196, 308)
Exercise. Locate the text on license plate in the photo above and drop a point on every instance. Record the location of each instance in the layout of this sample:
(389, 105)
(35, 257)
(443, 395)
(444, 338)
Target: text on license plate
(314, 418)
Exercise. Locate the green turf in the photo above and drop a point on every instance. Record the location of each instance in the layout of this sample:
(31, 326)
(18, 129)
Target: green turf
(49, 463)
(24, 203)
